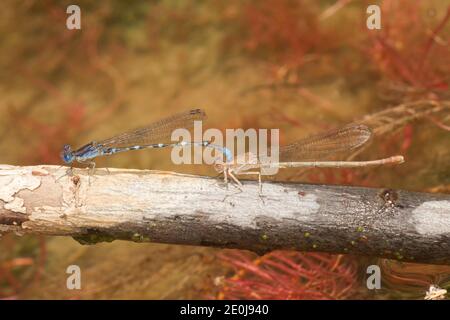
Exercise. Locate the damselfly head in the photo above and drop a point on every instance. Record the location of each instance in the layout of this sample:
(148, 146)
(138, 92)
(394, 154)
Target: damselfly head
(67, 154)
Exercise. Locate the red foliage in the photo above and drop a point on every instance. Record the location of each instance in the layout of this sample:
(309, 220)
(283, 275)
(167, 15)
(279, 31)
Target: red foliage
(281, 26)
(280, 32)
(288, 275)
(407, 48)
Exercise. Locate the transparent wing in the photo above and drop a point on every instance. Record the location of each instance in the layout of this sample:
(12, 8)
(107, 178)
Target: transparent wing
(157, 132)
(326, 145)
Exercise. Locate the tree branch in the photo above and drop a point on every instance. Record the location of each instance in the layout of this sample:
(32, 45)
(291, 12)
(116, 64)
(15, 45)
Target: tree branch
(173, 208)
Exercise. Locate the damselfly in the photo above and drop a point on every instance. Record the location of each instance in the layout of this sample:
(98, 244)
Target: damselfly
(155, 135)
(308, 153)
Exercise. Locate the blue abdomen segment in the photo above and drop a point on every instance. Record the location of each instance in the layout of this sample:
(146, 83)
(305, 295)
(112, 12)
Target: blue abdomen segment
(227, 154)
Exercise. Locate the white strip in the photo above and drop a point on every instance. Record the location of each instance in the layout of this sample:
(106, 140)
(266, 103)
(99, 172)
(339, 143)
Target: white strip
(432, 218)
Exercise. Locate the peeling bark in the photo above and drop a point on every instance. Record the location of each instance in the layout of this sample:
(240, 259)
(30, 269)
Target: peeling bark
(166, 207)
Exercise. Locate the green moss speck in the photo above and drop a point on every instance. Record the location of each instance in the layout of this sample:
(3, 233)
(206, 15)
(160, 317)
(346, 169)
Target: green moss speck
(137, 237)
(94, 238)
(399, 255)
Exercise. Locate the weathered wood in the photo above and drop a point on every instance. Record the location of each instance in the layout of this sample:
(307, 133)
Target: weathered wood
(182, 209)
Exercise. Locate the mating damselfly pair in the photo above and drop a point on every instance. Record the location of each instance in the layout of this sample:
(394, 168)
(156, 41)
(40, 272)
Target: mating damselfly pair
(305, 153)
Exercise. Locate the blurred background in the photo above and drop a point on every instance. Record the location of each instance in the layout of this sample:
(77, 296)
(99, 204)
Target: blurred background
(302, 66)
